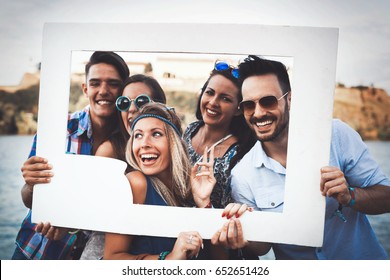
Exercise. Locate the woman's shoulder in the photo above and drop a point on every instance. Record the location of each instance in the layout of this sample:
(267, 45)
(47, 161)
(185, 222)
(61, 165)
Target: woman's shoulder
(139, 185)
(137, 178)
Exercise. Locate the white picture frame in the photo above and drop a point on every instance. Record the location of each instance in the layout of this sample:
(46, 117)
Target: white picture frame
(92, 193)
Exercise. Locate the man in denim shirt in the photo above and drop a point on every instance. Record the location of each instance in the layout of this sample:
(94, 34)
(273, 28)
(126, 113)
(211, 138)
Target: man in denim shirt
(352, 184)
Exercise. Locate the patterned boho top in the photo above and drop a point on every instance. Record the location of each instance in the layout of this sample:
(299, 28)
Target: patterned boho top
(221, 195)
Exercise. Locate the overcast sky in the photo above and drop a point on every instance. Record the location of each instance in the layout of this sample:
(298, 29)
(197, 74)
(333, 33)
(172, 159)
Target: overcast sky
(364, 27)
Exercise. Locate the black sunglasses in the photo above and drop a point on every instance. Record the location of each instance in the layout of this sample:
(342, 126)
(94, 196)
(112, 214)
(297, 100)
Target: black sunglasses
(222, 66)
(123, 103)
(267, 102)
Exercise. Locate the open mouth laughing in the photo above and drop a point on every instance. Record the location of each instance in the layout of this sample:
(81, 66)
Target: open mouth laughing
(149, 158)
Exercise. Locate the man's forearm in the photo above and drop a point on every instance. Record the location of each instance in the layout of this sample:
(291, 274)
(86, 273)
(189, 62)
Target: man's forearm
(372, 200)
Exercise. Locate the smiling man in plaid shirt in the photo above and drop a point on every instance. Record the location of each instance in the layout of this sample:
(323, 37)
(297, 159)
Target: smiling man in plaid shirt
(87, 129)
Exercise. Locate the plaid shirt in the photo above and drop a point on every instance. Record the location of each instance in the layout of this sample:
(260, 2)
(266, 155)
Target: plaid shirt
(34, 245)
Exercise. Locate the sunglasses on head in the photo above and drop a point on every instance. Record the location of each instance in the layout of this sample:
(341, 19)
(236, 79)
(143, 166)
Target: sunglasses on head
(123, 103)
(222, 66)
(267, 102)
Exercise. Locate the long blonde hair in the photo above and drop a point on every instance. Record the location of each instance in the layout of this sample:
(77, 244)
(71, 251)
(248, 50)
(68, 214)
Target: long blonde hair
(179, 194)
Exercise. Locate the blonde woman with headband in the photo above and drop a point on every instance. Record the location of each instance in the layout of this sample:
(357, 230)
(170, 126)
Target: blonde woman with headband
(136, 91)
(163, 176)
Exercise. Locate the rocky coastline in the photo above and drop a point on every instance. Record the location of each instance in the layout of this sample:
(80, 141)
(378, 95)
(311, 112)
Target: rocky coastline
(364, 108)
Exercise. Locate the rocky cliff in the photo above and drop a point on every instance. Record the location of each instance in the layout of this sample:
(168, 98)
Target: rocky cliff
(19, 106)
(366, 109)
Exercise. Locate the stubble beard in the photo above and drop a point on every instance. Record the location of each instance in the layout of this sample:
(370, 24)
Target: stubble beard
(281, 129)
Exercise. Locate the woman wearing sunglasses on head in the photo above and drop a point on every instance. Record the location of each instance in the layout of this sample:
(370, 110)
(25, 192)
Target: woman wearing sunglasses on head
(162, 176)
(137, 90)
(220, 125)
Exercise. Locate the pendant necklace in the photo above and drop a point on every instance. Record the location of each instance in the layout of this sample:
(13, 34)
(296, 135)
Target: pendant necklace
(216, 144)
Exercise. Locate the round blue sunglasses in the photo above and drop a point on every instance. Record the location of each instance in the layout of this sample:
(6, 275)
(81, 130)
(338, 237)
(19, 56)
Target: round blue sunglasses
(123, 103)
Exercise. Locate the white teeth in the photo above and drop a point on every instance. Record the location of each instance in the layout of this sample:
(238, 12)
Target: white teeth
(104, 102)
(148, 156)
(211, 112)
(264, 123)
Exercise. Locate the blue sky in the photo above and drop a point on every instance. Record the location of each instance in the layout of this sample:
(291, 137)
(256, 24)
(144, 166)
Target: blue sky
(364, 27)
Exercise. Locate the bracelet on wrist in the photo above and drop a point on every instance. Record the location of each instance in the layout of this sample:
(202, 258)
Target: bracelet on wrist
(352, 193)
(163, 255)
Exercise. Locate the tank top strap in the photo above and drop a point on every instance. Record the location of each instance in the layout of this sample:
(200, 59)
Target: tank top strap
(152, 196)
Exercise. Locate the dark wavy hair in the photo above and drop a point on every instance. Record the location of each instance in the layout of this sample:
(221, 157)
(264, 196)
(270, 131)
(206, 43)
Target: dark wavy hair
(238, 126)
(254, 65)
(110, 58)
(158, 94)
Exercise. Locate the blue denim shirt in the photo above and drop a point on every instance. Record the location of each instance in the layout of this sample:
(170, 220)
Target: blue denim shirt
(354, 239)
